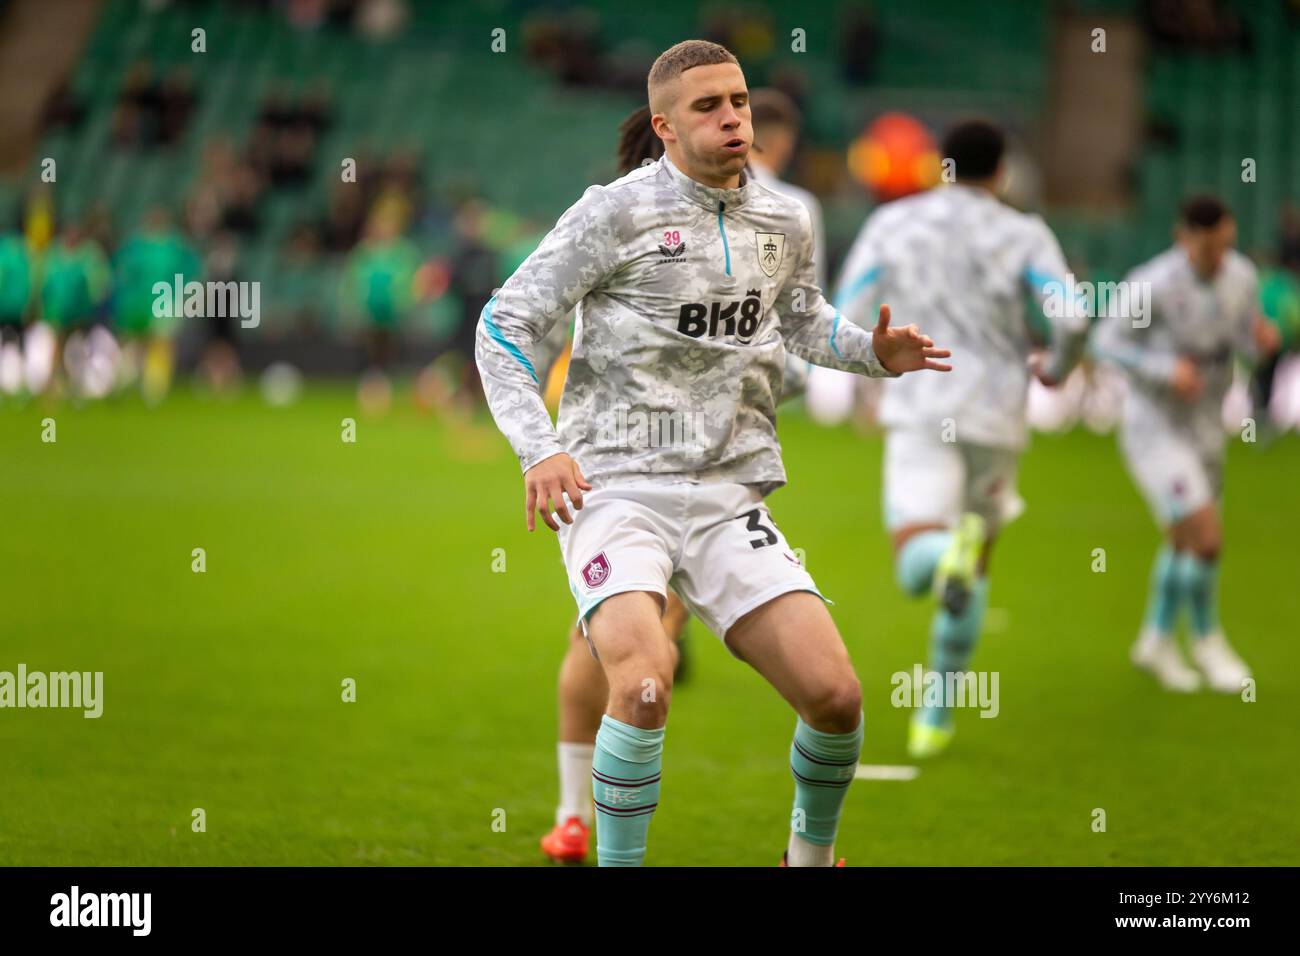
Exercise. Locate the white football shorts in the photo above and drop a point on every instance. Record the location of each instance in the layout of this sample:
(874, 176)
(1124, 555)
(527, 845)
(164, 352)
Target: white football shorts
(1175, 476)
(716, 542)
(930, 481)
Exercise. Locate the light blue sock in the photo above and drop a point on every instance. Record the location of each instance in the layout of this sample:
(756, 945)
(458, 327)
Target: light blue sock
(1165, 597)
(625, 787)
(1200, 580)
(823, 766)
(916, 560)
(952, 644)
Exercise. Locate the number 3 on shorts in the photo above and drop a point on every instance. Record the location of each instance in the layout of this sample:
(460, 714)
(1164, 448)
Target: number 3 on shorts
(752, 523)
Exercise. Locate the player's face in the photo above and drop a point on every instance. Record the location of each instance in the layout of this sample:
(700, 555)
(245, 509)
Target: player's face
(1206, 247)
(709, 123)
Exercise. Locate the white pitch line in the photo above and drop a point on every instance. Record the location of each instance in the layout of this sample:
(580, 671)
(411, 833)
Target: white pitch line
(868, 771)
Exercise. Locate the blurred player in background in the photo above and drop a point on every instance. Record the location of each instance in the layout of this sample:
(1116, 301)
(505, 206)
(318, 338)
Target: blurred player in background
(379, 278)
(473, 275)
(75, 284)
(158, 252)
(776, 134)
(1178, 359)
(777, 122)
(960, 261)
(893, 157)
(219, 365)
(1279, 305)
(648, 260)
(15, 293)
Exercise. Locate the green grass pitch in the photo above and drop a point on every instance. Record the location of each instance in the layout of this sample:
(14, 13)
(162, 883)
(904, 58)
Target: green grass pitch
(374, 561)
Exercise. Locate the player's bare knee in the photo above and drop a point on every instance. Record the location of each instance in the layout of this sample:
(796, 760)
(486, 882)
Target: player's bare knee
(836, 707)
(642, 694)
(1206, 538)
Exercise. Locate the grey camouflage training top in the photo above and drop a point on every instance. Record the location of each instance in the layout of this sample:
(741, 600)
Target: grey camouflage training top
(687, 298)
(1207, 321)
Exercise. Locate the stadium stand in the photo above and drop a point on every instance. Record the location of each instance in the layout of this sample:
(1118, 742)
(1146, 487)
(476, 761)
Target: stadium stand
(555, 98)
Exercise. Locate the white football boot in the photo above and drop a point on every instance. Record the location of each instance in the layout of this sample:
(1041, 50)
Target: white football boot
(1224, 671)
(1159, 655)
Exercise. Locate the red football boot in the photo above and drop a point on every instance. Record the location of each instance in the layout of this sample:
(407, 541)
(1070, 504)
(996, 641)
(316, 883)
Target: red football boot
(568, 842)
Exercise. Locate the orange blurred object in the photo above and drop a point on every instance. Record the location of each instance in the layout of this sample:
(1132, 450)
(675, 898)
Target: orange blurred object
(894, 157)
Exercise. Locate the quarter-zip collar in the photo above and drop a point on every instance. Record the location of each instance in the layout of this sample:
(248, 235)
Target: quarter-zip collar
(710, 197)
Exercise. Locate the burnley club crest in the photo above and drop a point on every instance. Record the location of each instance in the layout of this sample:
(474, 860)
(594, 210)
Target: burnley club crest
(771, 249)
(596, 572)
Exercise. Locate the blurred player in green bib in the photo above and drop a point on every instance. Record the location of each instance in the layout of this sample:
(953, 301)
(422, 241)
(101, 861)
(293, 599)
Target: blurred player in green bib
(15, 293)
(75, 284)
(380, 281)
(157, 253)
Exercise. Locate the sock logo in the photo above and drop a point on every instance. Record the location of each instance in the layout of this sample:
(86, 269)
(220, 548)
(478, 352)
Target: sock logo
(621, 796)
(624, 798)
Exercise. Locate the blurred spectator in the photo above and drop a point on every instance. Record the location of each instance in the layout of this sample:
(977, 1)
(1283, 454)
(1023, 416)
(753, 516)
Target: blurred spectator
(860, 46)
(239, 212)
(1289, 239)
(402, 174)
(282, 146)
(380, 19)
(136, 107)
(228, 195)
(62, 110)
(219, 360)
(1209, 25)
(474, 278)
(150, 113)
(1279, 305)
(567, 45)
(744, 30)
(344, 219)
(176, 101)
(299, 275)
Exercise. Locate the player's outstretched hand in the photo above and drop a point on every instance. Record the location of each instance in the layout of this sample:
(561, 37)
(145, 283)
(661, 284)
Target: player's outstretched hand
(905, 349)
(545, 485)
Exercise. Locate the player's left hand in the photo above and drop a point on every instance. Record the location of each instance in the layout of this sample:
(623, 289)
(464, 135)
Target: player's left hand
(905, 349)
(1267, 338)
(1039, 364)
